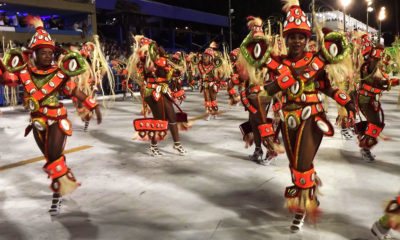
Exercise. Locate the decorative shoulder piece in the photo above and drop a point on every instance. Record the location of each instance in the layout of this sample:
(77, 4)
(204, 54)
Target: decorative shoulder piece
(195, 59)
(335, 47)
(256, 50)
(153, 51)
(73, 64)
(218, 61)
(14, 60)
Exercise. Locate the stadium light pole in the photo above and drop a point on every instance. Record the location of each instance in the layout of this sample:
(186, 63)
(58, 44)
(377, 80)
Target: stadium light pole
(230, 12)
(382, 16)
(345, 3)
(369, 9)
(313, 14)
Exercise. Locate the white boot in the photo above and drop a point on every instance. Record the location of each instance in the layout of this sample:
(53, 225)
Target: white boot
(367, 155)
(268, 160)
(179, 148)
(55, 205)
(347, 133)
(257, 155)
(297, 222)
(380, 233)
(154, 151)
(85, 128)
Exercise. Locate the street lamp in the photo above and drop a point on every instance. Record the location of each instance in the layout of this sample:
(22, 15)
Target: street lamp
(369, 9)
(382, 16)
(345, 3)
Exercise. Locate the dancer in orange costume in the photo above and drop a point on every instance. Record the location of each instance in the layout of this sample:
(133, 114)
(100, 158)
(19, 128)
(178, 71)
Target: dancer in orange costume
(300, 77)
(43, 81)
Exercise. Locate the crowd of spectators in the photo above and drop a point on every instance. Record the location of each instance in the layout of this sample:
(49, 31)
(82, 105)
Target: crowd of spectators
(14, 20)
(52, 22)
(115, 51)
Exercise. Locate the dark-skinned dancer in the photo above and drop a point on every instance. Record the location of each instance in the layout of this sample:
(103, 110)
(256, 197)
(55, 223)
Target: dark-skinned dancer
(300, 77)
(43, 82)
(157, 95)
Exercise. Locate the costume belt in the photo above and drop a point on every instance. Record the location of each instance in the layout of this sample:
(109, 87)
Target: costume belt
(293, 118)
(306, 98)
(51, 112)
(156, 80)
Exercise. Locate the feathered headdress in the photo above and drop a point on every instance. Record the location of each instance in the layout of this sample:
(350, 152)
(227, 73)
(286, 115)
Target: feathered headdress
(213, 45)
(42, 38)
(255, 24)
(296, 20)
(210, 52)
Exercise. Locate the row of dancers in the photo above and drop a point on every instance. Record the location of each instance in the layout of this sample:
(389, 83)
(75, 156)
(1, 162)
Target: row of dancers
(284, 72)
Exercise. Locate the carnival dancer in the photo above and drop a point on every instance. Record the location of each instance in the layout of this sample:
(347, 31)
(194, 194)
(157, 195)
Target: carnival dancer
(233, 81)
(137, 73)
(126, 85)
(192, 70)
(344, 120)
(300, 76)
(84, 82)
(374, 81)
(43, 82)
(177, 77)
(90, 82)
(258, 129)
(159, 97)
(391, 220)
(393, 55)
(209, 80)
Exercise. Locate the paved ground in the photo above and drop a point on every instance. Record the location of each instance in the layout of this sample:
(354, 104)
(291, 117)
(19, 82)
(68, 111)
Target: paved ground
(212, 193)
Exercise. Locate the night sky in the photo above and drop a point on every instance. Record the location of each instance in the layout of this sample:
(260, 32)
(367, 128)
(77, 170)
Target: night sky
(266, 8)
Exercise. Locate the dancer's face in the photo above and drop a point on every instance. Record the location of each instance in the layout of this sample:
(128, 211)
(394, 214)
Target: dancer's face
(44, 57)
(373, 63)
(206, 59)
(296, 43)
